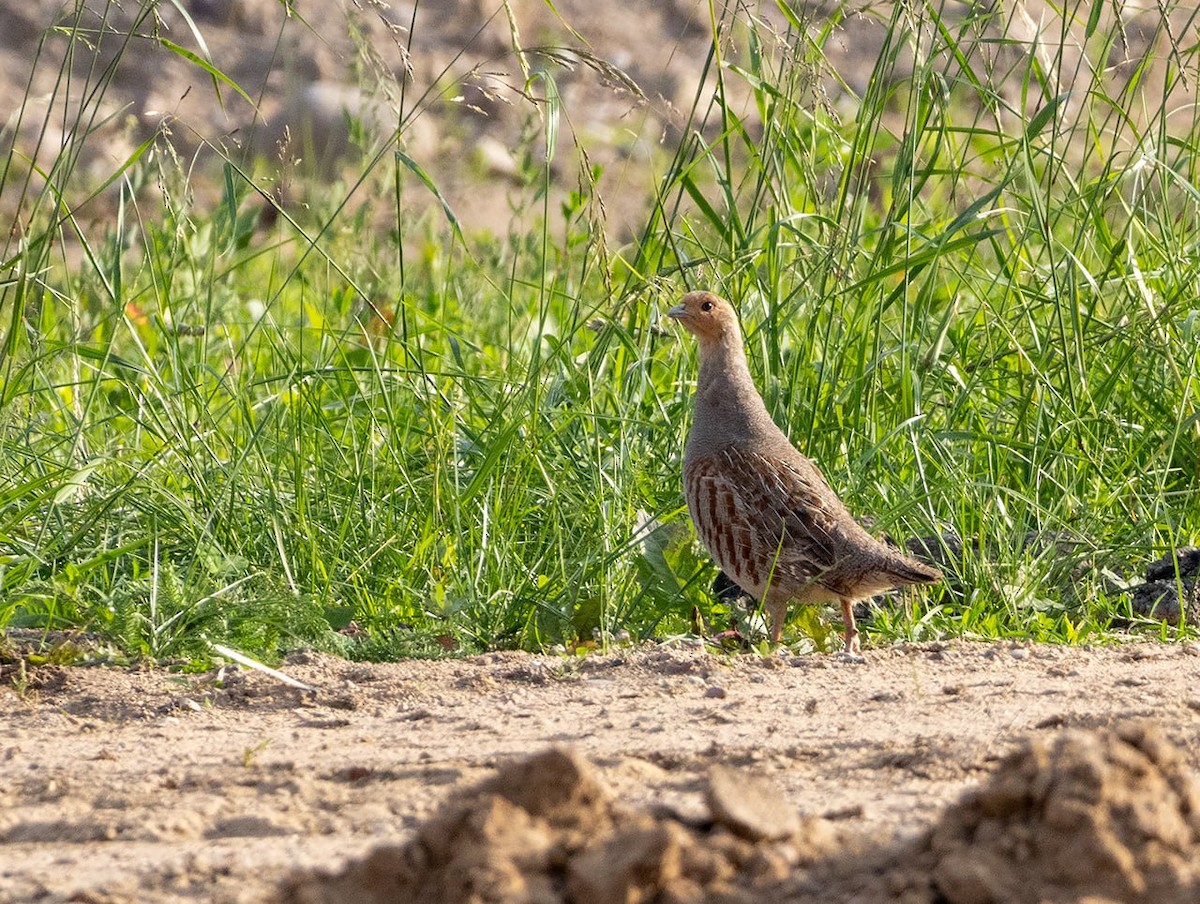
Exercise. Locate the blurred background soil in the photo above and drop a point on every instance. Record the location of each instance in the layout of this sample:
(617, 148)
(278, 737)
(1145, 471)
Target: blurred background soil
(305, 90)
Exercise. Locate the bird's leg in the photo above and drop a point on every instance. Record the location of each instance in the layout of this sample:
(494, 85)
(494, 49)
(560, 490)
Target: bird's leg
(776, 615)
(852, 646)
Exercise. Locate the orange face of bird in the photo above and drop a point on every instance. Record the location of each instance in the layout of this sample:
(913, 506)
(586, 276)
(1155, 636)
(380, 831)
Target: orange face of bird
(703, 314)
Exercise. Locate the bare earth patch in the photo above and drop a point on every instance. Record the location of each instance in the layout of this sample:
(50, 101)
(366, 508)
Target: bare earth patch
(969, 771)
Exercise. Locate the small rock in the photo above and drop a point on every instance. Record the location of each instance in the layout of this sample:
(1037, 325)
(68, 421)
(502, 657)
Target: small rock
(631, 866)
(1163, 569)
(750, 806)
(1170, 593)
(1160, 599)
(715, 691)
(246, 827)
(1019, 653)
(854, 811)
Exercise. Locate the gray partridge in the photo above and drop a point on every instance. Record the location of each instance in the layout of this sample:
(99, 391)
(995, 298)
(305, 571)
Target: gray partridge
(761, 508)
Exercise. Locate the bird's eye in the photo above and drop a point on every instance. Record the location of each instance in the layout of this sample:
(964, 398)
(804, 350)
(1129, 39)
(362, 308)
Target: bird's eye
(707, 306)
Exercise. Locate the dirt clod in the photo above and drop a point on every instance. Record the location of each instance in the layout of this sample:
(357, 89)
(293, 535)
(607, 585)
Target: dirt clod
(1111, 815)
(1083, 816)
(750, 806)
(542, 831)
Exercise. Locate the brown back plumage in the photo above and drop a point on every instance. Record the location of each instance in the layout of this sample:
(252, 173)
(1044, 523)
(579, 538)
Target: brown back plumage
(763, 510)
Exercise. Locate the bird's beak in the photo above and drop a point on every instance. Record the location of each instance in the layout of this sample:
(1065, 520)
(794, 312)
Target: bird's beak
(677, 313)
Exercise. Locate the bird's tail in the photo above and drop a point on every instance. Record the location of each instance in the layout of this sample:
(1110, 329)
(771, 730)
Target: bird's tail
(910, 571)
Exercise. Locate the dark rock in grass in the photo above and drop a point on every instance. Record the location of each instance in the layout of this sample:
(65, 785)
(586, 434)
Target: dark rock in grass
(744, 624)
(726, 590)
(1163, 569)
(1171, 591)
(1164, 601)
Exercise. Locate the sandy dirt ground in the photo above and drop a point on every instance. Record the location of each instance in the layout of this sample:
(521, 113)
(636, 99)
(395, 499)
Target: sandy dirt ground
(122, 785)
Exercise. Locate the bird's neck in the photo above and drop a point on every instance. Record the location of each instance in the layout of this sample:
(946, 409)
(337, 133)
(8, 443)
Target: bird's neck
(728, 407)
(723, 363)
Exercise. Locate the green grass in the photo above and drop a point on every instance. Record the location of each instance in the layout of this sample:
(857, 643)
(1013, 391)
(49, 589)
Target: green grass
(969, 293)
